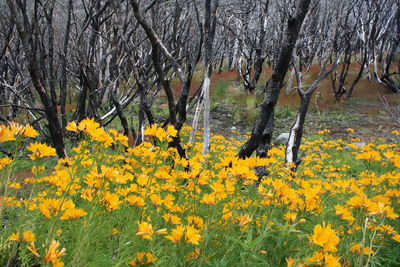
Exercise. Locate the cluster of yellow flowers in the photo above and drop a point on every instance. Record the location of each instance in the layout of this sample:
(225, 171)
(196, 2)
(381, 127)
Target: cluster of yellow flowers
(53, 255)
(153, 200)
(10, 132)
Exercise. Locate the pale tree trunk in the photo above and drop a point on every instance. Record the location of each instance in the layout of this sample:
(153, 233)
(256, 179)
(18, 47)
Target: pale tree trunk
(195, 122)
(209, 32)
(206, 92)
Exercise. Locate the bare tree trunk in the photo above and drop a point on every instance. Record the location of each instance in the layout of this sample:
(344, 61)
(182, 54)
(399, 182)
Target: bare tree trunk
(209, 32)
(24, 28)
(261, 135)
(206, 99)
(195, 122)
(157, 48)
(63, 66)
(296, 132)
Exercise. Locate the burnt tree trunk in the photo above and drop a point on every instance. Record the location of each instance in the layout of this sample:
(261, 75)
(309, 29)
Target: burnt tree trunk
(296, 132)
(63, 67)
(262, 132)
(25, 32)
(157, 48)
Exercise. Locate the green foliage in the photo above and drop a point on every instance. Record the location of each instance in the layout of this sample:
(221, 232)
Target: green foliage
(110, 205)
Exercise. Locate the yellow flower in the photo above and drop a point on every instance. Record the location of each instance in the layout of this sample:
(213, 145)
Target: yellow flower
(368, 251)
(325, 237)
(115, 231)
(73, 214)
(32, 249)
(28, 236)
(290, 262)
(162, 231)
(331, 261)
(143, 258)
(156, 131)
(350, 130)
(290, 217)
(396, 132)
(145, 230)
(171, 131)
(6, 134)
(176, 234)
(112, 201)
(396, 238)
(324, 131)
(345, 213)
(192, 235)
(59, 232)
(156, 199)
(209, 199)
(41, 150)
(15, 185)
(72, 127)
(356, 248)
(317, 257)
(53, 255)
(87, 125)
(136, 201)
(172, 218)
(244, 219)
(16, 129)
(30, 132)
(4, 162)
(14, 237)
(370, 155)
(195, 220)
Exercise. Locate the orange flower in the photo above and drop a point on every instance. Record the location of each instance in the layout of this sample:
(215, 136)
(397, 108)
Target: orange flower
(53, 254)
(143, 258)
(28, 236)
(14, 237)
(244, 219)
(356, 248)
(32, 249)
(290, 262)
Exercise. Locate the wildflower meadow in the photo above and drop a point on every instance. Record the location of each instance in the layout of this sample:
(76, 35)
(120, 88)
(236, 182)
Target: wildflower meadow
(108, 204)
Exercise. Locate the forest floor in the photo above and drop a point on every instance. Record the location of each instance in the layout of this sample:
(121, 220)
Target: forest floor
(369, 117)
(371, 111)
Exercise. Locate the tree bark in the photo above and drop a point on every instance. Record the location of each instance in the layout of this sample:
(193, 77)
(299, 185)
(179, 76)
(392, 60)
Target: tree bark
(24, 29)
(260, 135)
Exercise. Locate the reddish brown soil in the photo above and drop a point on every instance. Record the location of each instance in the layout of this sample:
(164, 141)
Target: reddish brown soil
(326, 97)
(68, 107)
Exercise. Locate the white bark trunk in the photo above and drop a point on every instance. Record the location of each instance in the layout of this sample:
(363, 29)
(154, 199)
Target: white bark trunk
(195, 122)
(290, 82)
(290, 143)
(207, 131)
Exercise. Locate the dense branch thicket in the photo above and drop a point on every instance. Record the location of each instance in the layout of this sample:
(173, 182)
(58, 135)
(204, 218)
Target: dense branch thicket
(68, 60)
